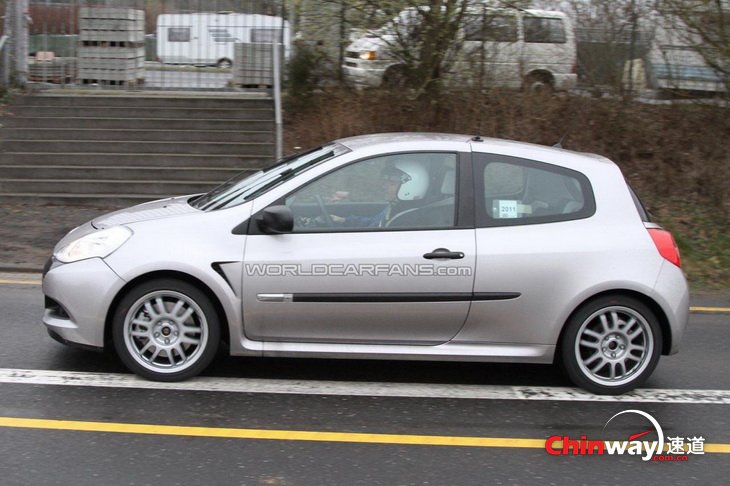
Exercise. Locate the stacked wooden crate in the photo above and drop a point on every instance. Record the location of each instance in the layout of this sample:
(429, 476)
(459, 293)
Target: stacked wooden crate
(253, 64)
(111, 50)
(59, 70)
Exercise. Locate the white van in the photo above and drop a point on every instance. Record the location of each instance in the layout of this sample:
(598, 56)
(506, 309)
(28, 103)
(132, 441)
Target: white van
(511, 48)
(675, 64)
(208, 38)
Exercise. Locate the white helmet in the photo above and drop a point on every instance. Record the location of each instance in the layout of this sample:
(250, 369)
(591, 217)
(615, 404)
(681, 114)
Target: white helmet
(416, 184)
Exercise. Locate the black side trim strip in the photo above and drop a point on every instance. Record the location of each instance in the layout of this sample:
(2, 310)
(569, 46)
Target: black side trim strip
(404, 297)
(389, 297)
(496, 295)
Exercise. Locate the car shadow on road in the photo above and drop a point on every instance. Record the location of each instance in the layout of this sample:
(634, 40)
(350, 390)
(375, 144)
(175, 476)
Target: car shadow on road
(389, 371)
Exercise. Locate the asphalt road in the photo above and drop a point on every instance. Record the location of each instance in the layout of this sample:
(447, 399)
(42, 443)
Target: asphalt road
(222, 430)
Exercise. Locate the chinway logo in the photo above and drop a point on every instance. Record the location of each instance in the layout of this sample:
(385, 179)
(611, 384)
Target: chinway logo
(669, 449)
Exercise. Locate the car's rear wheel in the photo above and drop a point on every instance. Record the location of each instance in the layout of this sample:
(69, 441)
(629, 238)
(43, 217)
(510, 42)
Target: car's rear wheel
(166, 330)
(611, 345)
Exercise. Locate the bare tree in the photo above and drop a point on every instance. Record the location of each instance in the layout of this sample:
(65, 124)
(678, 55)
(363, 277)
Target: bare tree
(613, 36)
(704, 25)
(425, 37)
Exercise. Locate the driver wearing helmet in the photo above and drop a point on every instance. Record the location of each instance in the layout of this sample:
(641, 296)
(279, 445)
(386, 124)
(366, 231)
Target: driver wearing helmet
(403, 181)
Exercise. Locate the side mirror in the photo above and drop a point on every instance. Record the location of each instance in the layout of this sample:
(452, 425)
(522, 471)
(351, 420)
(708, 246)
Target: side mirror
(276, 220)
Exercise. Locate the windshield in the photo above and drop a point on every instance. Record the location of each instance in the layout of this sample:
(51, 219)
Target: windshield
(402, 24)
(246, 186)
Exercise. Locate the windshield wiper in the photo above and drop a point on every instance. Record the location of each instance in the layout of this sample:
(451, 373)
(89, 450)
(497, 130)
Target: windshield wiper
(288, 174)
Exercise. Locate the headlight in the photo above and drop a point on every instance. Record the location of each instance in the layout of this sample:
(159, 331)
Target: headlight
(369, 55)
(100, 244)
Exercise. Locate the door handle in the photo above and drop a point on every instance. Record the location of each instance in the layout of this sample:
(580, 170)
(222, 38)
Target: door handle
(444, 253)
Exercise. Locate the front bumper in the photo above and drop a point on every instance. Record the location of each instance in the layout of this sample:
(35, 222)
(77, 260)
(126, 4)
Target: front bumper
(78, 298)
(363, 77)
(565, 82)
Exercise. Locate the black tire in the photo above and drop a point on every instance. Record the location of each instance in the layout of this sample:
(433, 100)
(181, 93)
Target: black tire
(224, 63)
(166, 330)
(538, 84)
(611, 345)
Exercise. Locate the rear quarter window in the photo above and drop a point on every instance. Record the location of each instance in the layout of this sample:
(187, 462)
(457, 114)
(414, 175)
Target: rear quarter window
(513, 191)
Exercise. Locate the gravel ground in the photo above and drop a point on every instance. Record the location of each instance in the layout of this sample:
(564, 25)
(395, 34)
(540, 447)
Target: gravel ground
(28, 232)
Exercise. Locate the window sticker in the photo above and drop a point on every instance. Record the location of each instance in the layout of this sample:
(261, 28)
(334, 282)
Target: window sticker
(505, 209)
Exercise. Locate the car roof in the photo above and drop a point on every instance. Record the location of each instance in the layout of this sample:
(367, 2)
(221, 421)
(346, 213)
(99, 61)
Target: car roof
(362, 141)
(409, 140)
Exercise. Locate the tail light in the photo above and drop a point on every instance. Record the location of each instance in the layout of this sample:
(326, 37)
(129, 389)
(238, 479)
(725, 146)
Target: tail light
(665, 245)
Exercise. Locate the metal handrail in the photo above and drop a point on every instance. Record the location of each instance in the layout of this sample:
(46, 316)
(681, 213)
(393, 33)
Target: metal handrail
(277, 102)
(5, 60)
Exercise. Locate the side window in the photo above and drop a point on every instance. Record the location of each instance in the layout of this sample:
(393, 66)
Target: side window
(517, 191)
(178, 34)
(544, 30)
(494, 28)
(399, 191)
(265, 35)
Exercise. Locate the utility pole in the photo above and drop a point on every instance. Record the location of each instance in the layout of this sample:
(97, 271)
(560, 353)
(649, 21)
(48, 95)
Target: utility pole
(20, 41)
(632, 49)
(8, 36)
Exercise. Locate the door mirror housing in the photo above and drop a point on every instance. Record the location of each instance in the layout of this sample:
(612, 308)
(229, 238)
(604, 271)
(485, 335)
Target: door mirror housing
(276, 220)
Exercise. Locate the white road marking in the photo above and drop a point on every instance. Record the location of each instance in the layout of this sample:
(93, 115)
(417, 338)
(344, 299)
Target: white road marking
(370, 389)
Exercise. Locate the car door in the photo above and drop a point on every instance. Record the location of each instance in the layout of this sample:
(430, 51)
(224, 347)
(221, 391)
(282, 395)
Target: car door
(362, 266)
(534, 247)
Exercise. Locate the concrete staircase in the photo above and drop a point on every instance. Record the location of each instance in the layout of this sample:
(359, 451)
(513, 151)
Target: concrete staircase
(117, 148)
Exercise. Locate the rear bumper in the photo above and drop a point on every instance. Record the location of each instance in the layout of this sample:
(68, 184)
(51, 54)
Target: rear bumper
(672, 294)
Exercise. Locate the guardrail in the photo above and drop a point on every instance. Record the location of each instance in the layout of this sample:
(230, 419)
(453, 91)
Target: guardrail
(276, 84)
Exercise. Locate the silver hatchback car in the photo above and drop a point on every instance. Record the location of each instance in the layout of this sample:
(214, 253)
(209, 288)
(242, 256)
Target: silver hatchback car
(389, 246)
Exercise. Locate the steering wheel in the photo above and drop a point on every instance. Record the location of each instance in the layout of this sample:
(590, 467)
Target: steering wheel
(325, 214)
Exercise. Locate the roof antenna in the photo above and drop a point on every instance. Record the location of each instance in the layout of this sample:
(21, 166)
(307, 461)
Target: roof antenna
(560, 142)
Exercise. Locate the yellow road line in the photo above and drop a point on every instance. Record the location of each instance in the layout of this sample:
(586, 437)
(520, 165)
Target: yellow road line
(709, 309)
(294, 435)
(289, 435)
(20, 282)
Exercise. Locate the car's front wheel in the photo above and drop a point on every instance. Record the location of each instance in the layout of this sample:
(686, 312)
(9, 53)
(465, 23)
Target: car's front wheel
(166, 330)
(611, 345)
